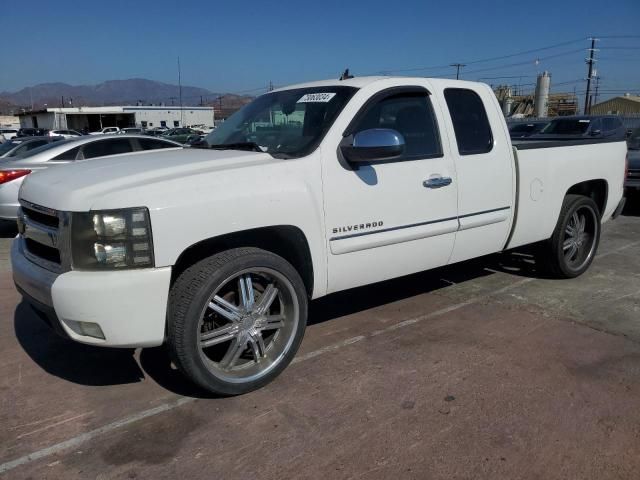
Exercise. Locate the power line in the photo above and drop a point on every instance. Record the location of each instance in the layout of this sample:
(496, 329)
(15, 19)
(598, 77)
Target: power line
(528, 62)
(483, 60)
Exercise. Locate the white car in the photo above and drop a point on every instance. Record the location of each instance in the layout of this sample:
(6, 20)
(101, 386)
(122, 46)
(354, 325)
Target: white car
(217, 251)
(106, 131)
(8, 133)
(131, 131)
(64, 133)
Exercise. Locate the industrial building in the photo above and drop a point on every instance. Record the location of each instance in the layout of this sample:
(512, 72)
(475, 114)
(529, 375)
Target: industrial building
(541, 104)
(96, 118)
(627, 104)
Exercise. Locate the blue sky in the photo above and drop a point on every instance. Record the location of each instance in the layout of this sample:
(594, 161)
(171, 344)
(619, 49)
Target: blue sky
(239, 46)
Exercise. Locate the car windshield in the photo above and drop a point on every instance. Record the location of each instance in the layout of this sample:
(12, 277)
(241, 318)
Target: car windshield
(569, 126)
(40, 149)
(286, 124)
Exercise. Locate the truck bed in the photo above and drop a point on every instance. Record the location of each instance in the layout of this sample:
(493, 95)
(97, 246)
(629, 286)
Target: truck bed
(546, 171)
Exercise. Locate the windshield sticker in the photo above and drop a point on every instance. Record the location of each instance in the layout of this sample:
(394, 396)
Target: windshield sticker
(316, 98)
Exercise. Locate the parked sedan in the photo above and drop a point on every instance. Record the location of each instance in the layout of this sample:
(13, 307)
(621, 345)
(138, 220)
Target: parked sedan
(20, 146)
(8, 133)
(13, 170)
(31, 132)
(584, 126)
(131, 130)
(182, 135)
(64, 133)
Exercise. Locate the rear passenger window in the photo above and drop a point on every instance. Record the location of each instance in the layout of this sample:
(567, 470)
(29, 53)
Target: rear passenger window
(107, 147)
(470, 122)
(410, 114)
(151, 144)
(68, 155)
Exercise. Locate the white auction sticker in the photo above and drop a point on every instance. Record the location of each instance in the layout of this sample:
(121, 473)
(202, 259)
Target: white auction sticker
(316, 98)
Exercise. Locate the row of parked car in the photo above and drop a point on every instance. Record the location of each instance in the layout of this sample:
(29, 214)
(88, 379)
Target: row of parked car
(593, 126)
(180, 134)
(22, 156)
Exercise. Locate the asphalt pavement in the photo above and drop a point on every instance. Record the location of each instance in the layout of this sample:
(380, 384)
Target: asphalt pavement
(484, 369)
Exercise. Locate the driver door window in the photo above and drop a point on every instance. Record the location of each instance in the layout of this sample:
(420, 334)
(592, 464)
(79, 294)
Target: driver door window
(410, 114)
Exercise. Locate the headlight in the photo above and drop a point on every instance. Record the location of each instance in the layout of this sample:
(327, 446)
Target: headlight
(111, 239)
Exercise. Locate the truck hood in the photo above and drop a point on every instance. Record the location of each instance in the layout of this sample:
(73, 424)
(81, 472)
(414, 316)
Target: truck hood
(78, 186)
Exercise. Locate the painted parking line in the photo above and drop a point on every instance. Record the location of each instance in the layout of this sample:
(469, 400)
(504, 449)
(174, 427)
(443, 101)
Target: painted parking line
(85, 437)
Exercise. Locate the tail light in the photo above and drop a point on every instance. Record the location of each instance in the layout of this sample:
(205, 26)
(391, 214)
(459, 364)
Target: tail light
(8, 175)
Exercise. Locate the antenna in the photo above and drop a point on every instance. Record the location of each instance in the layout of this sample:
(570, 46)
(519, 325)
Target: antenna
(345, 75)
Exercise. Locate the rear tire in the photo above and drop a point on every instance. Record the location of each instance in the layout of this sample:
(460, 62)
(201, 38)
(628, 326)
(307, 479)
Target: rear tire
(236, 320)
(574, 243)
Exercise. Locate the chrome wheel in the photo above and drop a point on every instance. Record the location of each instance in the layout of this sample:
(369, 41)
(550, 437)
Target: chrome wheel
(248, 325)
(580, 238)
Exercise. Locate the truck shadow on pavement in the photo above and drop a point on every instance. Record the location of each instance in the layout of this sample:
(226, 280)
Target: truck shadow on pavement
(96, 366)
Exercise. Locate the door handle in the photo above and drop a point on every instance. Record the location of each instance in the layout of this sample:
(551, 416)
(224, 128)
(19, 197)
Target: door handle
(437, 182)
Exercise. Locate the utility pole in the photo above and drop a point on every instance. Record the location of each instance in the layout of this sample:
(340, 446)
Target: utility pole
(62, 102)
(458, 67)
(270, 86)
(201, 100)
(590, 61)
(220, 102)
(172, 101)
(595, 95)
(180, 94)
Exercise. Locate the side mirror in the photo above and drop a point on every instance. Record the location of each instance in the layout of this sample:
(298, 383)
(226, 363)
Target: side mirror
(374, 145)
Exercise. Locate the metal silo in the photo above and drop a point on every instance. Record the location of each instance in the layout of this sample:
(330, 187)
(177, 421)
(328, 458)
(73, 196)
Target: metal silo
(541, 102)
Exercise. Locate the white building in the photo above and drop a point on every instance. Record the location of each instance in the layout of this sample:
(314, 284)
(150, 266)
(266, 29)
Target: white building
(96, 118)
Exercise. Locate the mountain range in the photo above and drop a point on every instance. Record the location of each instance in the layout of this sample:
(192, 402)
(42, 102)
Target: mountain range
(112, 92)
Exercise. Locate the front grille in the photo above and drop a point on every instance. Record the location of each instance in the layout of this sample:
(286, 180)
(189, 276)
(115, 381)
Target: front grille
(39, 217)
(634, 173)
(49, 254)
(44, 233)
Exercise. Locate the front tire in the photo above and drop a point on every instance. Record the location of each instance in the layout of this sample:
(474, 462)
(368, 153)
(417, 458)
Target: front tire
(574, 243)
(236, 320)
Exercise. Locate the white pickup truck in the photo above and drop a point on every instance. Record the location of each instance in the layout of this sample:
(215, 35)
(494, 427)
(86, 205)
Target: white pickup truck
(308, 190)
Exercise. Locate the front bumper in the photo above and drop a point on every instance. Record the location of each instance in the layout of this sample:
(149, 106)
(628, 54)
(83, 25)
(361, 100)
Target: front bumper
(129, 305)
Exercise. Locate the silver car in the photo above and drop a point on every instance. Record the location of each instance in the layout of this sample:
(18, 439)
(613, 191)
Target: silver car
(13, 170)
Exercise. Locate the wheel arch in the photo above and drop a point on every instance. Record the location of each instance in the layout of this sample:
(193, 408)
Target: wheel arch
(597, 190)
(287, 241)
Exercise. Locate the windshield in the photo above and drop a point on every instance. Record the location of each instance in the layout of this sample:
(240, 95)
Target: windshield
(286, 124)
(6, 146)
(570, 126)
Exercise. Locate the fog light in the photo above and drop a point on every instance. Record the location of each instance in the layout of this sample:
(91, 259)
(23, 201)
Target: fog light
(86, 329)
